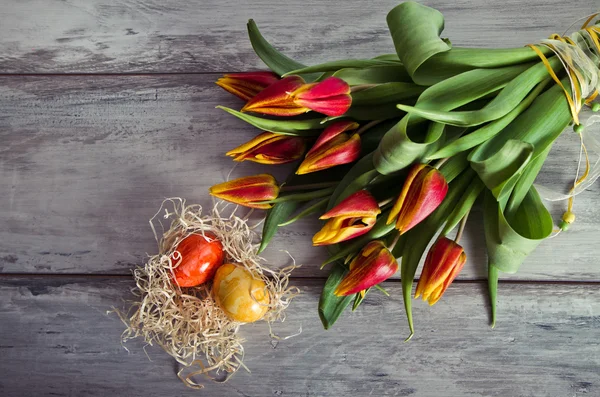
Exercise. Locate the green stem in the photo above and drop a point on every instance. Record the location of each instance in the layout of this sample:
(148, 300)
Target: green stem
(383, 290)
(385, 202)
(310, 210)
(493, 290)
(306, 196)
(461, 227)
(367, 126)
(394, 242)
(440, 162)
(287, 188)
(407, 295)
(361, 87)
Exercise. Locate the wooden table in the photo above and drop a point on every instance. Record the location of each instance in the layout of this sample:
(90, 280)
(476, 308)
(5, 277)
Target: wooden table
(107, 107)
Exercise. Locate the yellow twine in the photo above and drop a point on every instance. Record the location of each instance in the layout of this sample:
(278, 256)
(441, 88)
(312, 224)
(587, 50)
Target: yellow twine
(574, 100)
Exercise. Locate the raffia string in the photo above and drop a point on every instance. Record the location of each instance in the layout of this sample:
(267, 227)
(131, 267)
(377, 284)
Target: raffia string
(186, 322)
(579, 54)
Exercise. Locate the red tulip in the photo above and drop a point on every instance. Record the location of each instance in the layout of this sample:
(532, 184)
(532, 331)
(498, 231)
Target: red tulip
(373, 265)
(291, 96)
(354, 216)
(330, 97)
(335, 146)
(248, 191)
(443, 263)
(424, 190)
(246, 85)
(270, 148)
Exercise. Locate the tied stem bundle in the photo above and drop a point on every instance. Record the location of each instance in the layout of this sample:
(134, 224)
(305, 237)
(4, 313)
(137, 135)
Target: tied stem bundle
(402, 145)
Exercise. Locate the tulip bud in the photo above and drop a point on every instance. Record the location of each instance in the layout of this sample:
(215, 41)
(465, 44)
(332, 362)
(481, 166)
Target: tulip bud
(333, 147)
(373, 265)
(270, 148)
(353, 217)
(248, 191)
(246, 85)
(291, 96)
(424, 190)
(444, 261)
(330, 97)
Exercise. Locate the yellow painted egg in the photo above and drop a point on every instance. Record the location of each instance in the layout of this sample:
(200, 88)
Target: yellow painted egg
(242, 297)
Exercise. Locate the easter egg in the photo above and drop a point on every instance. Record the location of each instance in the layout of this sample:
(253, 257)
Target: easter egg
(241, 296)
(200, 257)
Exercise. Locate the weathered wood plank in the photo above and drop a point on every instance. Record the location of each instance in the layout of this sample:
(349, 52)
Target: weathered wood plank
(210, 36)
(58, 340)
(86, 161)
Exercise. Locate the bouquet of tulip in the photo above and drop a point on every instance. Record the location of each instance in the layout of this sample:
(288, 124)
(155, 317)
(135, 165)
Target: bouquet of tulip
(401, 146)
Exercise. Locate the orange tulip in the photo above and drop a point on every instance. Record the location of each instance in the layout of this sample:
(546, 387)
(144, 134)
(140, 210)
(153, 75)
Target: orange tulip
(270, 148)
(373, 265)
(443, 263)
(248, 191)
(353, 217)
(335, 146)
(291, 96)
(246, 85)
(424, 190)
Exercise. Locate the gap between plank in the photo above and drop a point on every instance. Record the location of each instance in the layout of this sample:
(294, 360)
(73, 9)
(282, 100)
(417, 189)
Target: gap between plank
(133, 74)
(126, 276)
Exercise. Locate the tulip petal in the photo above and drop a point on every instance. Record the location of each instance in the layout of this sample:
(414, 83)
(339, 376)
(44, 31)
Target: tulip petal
(247, 84)
(248, 191)
(251, 144)
(330, 97)
(276, 99)
(373, 265)
(444, 261)
(423, 191)
(412, 174)
(270, 148)
(331, 132)
(337, 230)
(422, 202)
(330, 87)
(358, 204)
(331, 106)
(335, 152)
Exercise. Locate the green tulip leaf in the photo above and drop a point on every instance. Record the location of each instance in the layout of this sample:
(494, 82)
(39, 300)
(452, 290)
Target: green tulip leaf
(342, 64)
(500, 171)
(520, 192)
(275, 60)
(413, 139)
(489, 130)
(506, 100)
(465, 203)
(386, 93)
(382, 74)
(501, 159)
(276, 215)
(387, 57)
(415, 30)
(331, 306)
(454, 167)
(510, 241)
(306, 128)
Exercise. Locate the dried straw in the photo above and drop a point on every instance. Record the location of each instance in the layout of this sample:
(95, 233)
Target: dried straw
(186, 322)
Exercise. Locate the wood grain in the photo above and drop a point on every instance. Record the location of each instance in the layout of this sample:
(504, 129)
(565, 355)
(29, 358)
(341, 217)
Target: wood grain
(58, 340)
(130, 36)
(87, 161)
